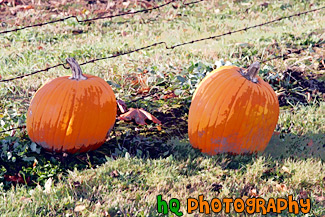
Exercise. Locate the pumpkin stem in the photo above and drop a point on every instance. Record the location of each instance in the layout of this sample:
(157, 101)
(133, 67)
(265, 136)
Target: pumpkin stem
(76, 70)
(252, 71)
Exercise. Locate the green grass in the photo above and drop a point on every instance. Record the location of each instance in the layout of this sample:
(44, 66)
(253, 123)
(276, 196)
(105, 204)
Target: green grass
(130, 185)
(126, 174)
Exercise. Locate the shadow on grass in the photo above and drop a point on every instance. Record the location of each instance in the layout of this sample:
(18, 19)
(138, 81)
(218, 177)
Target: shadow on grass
(296, 147)
(151, 142)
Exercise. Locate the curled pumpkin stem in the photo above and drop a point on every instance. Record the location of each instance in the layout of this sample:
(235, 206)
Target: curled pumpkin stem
(252, 71)
(76, 70)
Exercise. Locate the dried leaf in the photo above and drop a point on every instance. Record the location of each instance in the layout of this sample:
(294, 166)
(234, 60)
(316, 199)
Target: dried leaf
(146, 4)
(16, 179)
(281, 188)
(14, 10)
(26, 199)
(303, 194)
(124, 33)
(115, 174)
(285, 169)
(126, 4)
(139, 116)
(121, 107)
(319, 198)
(252, 192)
(169, 95)
(138, 79)
(79, 208)
(99, 13)
(48, 186)
(143, 90)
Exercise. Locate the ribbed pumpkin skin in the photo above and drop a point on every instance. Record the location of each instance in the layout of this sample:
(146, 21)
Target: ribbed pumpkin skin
(230, 114)
(72, 116)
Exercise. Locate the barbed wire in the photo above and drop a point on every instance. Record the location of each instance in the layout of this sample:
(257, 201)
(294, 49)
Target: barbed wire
(101, 17)
(247, 28)
(119, 53)
(32, 73)
(159, 91)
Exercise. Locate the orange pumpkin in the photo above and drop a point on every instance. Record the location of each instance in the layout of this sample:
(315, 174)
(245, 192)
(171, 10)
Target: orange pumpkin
(232, 111)
(72, 114)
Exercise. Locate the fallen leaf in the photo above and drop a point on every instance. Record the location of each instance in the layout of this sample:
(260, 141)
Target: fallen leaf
(138, 79)
(99, 12)
(146, 4)
(252, 192)
(285, 169)
(48, 186)
(319, 198)
(139, 116)
(34, 164)
(124, 33)
(143, 90)
(26, 199)
(115, 174)
(79, 208)
(169, 95)
(303, 195)
(14, 10)
(281, 187)
(16, 179)
(126, 4)
(121, 107)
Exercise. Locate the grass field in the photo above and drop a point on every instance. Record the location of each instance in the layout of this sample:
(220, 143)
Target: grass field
(125, 175)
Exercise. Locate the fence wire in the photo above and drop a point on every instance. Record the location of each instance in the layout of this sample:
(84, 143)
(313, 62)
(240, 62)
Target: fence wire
(117, 54)
(16, 128)
(101, 17)
(283, 56)
(120, 53)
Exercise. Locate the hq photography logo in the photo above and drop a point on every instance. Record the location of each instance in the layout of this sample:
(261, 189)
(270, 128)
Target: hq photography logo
(250, 205)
